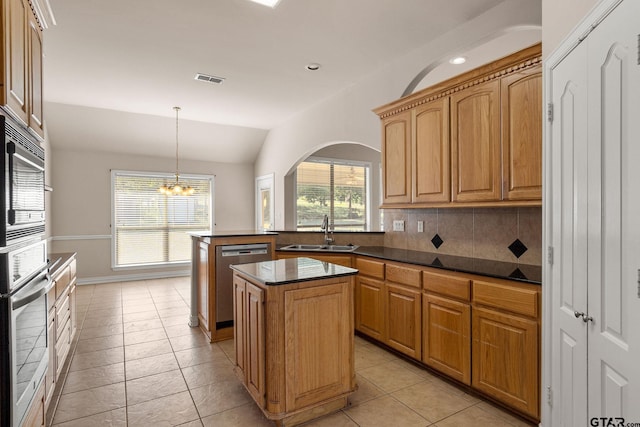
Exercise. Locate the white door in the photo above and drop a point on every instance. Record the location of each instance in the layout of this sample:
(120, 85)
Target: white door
(568, 194)
(593, 216)
(614, 215)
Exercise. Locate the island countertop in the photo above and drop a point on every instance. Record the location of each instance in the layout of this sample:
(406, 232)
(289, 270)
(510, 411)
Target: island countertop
(292, 270)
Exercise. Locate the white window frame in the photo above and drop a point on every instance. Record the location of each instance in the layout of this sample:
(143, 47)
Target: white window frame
(366, 165)
(170, 177)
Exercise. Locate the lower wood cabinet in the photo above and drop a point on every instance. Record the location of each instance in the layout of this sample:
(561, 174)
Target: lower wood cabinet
(482, 332)
(447, 336)
(35, 417)
(505, 358)
(294, 346)
(506, 343)
(62, 321)
(403, 320)
(369, 307)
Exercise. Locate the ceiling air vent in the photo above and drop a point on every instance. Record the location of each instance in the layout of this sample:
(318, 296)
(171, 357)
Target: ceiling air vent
(209, 79)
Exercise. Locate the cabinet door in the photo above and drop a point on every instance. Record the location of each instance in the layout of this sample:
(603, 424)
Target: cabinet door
(506, 359)
(16, 66)
(522, 135)
(50, 376)
(239, 323)
(446, 336)
(403, 320)
(35, 105)
(255, 345)
(73, 325)
(431, 176)
(475, 143)
(203, 287)
(396, 158)
(318, 340)
(369, 307)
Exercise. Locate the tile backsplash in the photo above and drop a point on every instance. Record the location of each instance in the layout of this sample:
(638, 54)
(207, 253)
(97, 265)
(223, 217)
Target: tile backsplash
(499, 234)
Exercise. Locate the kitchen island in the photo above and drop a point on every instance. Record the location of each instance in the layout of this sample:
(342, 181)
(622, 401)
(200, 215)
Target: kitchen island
(293, 327)
(211, 281)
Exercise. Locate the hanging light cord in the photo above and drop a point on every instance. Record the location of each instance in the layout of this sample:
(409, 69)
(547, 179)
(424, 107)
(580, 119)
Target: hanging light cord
(177, 170)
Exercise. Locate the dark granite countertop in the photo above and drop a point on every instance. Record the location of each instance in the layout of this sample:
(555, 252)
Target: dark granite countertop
(232, 233)
(292, 270)
(498, 269)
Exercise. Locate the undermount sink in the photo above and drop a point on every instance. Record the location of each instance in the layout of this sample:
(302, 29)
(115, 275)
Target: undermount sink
(321, 248)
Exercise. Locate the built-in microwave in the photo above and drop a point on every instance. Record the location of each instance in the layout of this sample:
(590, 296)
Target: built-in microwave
(22, 213)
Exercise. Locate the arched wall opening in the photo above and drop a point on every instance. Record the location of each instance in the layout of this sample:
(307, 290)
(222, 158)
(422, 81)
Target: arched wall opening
(344, 151)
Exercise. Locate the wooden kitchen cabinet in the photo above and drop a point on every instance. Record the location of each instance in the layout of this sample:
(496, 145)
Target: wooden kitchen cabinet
(35, 417)
(22, 79)
(475, 139)
(396, 158)
(62, 325)
(402, 305)
(403, 320)
(522, 135)
(506, 343)
(294, 344)
(446, 332)
(430, 171)
(475, 143)
(369, 309)
(369, 297)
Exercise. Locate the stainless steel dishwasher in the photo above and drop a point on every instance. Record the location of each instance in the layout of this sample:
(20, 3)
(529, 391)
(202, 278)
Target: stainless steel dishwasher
(227, 255)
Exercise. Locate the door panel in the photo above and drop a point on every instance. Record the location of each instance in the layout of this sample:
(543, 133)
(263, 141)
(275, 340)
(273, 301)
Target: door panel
(569, 240)
(614, 230)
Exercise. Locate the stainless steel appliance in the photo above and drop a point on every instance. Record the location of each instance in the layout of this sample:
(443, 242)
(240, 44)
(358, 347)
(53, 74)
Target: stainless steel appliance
(22, 213)
(225, 256)
(24, 283)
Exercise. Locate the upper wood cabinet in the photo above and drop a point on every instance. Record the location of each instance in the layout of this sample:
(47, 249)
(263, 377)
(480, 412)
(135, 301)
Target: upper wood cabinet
(22, 61)
(474, 140)
(396, 158)
(522, 135)
(475, 143)
(430, 173)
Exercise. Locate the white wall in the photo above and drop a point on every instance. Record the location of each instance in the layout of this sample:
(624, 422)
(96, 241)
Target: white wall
(559, 17)
(347, 116)
(81, 203)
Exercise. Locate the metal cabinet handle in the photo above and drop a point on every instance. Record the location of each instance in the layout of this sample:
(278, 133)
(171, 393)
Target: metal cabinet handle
(578, 314)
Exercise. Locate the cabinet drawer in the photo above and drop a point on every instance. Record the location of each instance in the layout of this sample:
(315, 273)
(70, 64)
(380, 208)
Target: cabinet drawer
(62, 281)
(517, 299)
(62, 314)
(371, 268)
(403, 275)
(62, 349)
(445, 284)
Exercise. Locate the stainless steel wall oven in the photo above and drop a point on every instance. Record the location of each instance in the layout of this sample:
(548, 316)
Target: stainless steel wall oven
(22, 210)
(24, 285)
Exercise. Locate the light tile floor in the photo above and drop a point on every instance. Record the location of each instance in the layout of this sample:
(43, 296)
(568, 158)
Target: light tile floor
(138, 363)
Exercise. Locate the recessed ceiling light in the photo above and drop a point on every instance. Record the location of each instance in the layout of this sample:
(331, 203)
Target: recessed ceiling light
(314, 66)
(458, 60)
(270, 3)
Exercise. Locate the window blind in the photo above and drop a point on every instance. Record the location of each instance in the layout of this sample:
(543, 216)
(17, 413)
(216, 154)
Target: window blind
(150, 228)
(339, 189)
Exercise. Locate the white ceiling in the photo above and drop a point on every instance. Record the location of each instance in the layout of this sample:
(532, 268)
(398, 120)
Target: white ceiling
(114, 69)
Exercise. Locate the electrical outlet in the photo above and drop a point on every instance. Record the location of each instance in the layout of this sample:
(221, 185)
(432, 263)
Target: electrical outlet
(398, 225)
(420, 226)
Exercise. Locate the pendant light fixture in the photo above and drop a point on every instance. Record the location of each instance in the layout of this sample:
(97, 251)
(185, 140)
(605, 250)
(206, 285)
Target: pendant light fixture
(176, 189)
